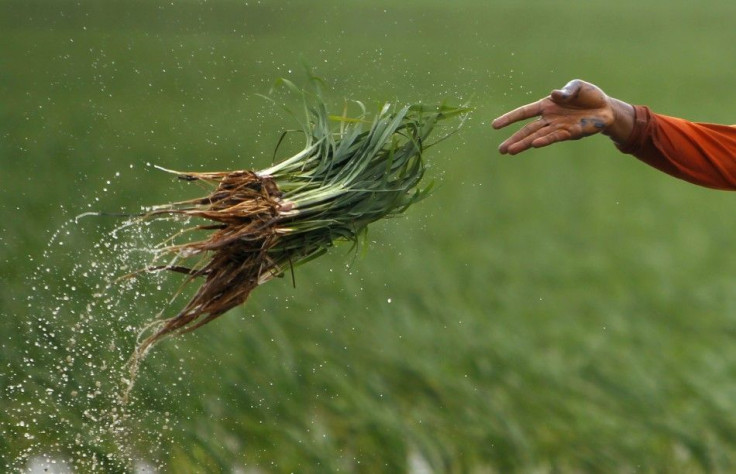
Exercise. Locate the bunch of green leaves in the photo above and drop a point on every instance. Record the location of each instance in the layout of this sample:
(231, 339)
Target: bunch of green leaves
(352, 171)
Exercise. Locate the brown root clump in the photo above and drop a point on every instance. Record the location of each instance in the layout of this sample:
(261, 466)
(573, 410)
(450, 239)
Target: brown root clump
(244, 207)
(257, 224)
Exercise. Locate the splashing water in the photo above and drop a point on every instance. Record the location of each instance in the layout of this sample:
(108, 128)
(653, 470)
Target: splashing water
(66, 396)
(99, 289)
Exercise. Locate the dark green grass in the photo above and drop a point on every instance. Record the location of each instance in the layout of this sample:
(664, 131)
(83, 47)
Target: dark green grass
(566, 310)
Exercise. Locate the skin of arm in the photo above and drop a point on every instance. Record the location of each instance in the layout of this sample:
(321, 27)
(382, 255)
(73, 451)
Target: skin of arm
(700, 153)
(578, 110)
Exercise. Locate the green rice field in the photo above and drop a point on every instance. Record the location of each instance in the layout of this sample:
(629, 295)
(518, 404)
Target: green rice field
(567, 310)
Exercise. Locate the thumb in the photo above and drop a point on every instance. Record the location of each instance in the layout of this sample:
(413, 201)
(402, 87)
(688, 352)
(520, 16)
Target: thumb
(568, 93)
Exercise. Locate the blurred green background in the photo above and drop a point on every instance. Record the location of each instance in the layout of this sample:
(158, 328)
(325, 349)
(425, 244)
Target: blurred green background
(566, 310)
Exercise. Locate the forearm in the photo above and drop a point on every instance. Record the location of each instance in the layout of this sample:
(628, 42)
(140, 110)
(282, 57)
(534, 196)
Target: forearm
(700, 153)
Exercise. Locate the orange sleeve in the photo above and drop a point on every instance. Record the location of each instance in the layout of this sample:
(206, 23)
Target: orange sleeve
(700, 153)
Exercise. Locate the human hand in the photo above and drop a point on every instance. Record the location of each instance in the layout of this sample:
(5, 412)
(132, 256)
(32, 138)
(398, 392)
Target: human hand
(578, 110)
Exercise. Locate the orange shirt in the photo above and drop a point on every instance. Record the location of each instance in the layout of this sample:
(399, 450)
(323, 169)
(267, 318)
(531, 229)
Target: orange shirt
(700, 153)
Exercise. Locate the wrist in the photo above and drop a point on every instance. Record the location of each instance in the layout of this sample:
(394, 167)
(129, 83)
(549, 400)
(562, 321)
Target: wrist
(623, 121)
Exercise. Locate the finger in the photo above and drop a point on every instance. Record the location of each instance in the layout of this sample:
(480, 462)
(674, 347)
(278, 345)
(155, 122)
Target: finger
(528, 141)
(522, 113)
(560, 135)
(527, 130)
(543, 137)
(569, 92)
(574, 132)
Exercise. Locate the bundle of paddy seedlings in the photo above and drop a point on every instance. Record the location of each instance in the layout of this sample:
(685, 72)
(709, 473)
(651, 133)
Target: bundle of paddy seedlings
(259, 225)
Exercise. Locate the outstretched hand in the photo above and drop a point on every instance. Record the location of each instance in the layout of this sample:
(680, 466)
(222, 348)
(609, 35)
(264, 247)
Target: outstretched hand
(578, 110)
